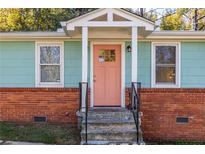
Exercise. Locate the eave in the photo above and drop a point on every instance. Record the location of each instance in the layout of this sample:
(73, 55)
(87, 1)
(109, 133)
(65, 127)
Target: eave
(177, 35)
(5, 35)
(155, 35)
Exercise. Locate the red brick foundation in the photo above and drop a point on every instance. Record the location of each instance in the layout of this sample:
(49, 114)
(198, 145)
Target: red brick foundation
(160, 108)
(22, 104)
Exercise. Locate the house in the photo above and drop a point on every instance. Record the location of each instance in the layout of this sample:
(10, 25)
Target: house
(109, 49)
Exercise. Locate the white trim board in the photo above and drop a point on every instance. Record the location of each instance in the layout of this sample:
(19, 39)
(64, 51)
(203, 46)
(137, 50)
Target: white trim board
(37, 62)
(122, 70)
(178, 66)
(85, 20)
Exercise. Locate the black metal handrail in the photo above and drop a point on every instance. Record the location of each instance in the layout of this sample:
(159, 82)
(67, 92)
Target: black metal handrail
(135, 105)
(83, 86)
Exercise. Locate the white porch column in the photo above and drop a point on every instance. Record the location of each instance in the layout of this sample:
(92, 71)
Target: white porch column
(134, 54)
(84, 64)
(84, 54)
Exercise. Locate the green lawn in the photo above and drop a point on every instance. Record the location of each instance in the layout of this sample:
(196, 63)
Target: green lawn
(43, 133)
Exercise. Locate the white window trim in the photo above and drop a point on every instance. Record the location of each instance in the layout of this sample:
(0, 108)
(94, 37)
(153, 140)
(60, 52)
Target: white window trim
(37, 65)
(178, 65)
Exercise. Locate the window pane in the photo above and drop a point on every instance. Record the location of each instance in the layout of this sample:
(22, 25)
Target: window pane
(165, 74)
(165, 54)
(106, 56)
(50, 73)
(50, 55)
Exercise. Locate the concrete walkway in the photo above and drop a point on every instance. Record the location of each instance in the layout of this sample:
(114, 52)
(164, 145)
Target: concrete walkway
(18, 143)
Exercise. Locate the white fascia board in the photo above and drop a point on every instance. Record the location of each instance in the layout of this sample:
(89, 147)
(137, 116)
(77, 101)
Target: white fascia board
(154, 35)
(32, 34)
(177, 35)
(110, 24)
(63, 23)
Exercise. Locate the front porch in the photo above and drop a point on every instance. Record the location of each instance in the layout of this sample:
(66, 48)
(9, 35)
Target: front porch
(107, 76)
(107, 56)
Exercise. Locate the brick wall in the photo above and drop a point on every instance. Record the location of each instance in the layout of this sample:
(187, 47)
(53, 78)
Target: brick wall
(160, 108)
(21, 104)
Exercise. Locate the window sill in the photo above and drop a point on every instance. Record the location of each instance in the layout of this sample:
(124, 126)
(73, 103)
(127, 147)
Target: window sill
(50, 85)
(165, 86)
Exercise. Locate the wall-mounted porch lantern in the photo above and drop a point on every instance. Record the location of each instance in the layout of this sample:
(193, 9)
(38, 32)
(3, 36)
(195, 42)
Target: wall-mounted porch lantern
(129, 48)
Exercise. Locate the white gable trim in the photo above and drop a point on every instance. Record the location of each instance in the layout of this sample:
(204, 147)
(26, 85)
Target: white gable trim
(88, 16)
(130, 16)
(85, 20)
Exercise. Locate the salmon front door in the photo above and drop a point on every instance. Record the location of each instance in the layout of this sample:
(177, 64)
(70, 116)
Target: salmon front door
(107, 75)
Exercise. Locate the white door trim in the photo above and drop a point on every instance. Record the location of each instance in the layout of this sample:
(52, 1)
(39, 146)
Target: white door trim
(122, 70)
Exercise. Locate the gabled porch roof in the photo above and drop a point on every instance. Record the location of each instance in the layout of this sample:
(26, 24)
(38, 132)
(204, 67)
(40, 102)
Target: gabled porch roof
(108, 18)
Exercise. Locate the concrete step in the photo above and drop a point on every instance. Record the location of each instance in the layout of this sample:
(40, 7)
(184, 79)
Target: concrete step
(125, 118)
(111, 136)
(110, 130)
(109, 113)
(104, 117)
(108, 126)
(108, 121)
(108, 143)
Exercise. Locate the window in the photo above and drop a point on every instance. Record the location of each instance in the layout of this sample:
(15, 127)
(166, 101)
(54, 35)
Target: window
(49, 65)
(165, 65)
(106, 56)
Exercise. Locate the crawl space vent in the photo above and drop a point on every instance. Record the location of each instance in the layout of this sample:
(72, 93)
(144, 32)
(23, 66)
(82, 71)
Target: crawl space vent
(182, 120)
(39, 119)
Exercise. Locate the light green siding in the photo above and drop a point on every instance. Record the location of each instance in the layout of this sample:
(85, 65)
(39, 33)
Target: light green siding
(144, 64)
(17, 64)
(192, 65)
(72, 63)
